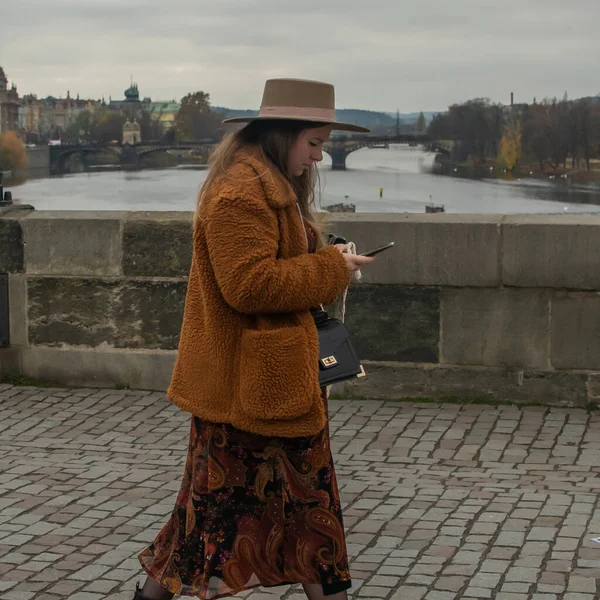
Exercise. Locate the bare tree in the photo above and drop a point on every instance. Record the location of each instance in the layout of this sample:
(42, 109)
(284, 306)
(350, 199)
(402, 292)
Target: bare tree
(195, 119)
(588, 122)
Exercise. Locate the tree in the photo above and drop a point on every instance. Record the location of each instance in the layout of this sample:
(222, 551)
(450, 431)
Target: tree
(13, 154)
(82, 129)
(510, 146)
(534, 143)
(421, 124)
(548, 133)
(151, 127)
(594, 134)
(104, 125)
(477, 127)
(585, 118)
(195, 120)
(555, 127)
(108, 126)
(439, 127)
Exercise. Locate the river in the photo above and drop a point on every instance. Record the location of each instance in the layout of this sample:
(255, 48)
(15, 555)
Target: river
(401, 171)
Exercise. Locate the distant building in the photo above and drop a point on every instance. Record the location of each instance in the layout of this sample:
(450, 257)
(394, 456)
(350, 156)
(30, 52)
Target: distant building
(592, 99)
(66, 110)
(131, 106)
(30, 113)
(132, 133)
(9, 105)
(164, 113)
(50, 117)
(514, 111)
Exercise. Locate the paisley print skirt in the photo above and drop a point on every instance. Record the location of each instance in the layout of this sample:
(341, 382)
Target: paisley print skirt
(251, 511)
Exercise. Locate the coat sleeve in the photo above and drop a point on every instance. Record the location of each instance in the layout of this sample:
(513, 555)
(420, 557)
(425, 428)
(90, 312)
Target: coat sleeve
(242, 237)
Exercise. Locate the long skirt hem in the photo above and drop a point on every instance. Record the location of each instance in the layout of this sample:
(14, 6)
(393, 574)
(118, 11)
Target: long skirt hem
(199, 594)
(252, 511)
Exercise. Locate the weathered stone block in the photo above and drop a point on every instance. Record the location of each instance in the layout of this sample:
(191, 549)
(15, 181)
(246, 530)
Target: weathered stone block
(72, 311)
(73, 243)
(512, 385)
(594, 386)
(389, 380)
(11, 246)
(159, 246)
(438, 249)
(575, 341)
(4, 315)
(496, 327)
(100, 367)
(17, 309)
(150, 314)
(394, 322)
(10, 360)
(554, 251)
(92, 312)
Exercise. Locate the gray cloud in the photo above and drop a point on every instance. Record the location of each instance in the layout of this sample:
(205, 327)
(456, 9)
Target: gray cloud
(380, 55)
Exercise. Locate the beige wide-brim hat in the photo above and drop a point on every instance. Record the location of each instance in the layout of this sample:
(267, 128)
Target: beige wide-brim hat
(299, 100)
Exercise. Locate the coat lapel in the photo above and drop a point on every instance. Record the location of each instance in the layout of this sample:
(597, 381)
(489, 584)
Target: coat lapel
(278, 191)
(281, 197)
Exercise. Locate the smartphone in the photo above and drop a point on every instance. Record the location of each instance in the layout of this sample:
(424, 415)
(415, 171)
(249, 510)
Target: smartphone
(337, 239)
(377, 250)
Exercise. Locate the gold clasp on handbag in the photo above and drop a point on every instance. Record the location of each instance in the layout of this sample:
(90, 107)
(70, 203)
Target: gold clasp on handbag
(329, 361)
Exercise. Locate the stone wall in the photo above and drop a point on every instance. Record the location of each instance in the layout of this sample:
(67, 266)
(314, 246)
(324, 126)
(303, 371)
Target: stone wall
(38, 162)
(506, 307)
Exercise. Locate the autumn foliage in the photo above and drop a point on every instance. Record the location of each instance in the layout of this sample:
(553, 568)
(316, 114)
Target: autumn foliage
(510, 146)
(195, 119)
(552, 134)
(12, 152)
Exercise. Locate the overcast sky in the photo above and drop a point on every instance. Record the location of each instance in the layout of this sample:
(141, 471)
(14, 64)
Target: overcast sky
(380, 54)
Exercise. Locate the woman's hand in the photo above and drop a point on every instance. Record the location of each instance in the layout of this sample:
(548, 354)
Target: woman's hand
(353, 261)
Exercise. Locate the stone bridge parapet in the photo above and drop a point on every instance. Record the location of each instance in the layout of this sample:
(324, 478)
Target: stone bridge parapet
(492, 306)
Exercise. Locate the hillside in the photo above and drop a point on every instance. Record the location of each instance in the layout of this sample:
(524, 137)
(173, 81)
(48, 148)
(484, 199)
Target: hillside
(365, 118)
(412, 117)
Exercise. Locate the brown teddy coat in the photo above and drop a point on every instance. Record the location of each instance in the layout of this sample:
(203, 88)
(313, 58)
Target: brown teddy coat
(248, 351)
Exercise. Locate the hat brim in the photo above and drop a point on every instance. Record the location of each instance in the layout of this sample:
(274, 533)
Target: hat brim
(337, 125)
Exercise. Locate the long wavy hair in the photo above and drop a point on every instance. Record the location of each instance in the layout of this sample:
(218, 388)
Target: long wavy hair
(274, 138)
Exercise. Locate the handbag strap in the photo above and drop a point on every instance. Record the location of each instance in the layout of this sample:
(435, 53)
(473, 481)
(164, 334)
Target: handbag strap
(319, 315)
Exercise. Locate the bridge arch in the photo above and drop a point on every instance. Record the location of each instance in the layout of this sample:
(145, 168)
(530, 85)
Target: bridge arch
(188, 147)
(60, 155)
(340, 147)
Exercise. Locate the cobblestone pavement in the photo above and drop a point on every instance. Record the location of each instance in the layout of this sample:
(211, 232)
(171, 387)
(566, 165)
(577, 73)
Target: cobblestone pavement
(441, 501)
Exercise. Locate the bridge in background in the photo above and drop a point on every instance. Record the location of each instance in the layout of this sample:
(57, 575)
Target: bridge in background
(129, 156)
(340, 147)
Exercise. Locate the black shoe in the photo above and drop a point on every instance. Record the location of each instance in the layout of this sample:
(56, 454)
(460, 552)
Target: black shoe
(138, 593)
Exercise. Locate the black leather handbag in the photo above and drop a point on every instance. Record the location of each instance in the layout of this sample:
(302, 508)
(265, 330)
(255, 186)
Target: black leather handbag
(337, 357)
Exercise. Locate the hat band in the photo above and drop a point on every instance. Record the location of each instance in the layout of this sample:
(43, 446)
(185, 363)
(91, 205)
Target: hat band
(297, 112)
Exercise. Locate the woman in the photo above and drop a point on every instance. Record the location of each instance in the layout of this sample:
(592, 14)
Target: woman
(259, 503)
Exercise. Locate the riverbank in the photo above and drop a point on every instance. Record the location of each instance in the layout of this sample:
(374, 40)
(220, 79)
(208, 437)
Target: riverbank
(403, 174)
(489, 170)
(22, 176)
